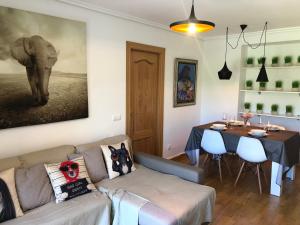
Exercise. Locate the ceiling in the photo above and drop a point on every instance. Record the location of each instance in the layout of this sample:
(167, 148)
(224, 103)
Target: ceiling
(232, 13)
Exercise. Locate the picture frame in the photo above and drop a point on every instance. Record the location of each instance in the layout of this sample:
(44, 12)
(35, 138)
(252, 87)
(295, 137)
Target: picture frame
(185, 82)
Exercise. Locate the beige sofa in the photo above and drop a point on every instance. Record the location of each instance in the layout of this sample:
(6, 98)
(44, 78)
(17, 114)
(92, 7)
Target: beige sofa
(172, 189)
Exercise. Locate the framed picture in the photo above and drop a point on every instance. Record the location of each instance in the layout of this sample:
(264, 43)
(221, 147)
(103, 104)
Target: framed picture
(43, 77)
(185, 81)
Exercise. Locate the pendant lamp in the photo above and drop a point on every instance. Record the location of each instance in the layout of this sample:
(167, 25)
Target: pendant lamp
(225, 73)
(192, 24)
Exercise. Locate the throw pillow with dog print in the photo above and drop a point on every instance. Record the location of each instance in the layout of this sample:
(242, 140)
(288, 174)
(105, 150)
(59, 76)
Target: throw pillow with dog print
(118, 159)
(69, 179)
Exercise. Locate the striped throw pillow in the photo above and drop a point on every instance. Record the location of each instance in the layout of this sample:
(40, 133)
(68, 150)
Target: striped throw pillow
(69, 179)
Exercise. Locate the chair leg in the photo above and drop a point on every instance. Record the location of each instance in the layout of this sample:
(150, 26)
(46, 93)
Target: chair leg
(205, 159)
(258, 176)
(238, 177)
(220, 169)
(227, 165)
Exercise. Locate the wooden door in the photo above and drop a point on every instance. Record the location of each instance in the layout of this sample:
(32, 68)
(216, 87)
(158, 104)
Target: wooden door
(144, 97)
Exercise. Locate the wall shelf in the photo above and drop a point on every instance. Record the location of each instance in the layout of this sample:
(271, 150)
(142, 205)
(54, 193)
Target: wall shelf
(272, 67)
(271, 91)
(272, 115)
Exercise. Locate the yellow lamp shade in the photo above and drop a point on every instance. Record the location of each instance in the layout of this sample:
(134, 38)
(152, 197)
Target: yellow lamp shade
(188, 26)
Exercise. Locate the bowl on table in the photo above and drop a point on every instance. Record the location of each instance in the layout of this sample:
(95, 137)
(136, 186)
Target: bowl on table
(258, 132)
(218, 126)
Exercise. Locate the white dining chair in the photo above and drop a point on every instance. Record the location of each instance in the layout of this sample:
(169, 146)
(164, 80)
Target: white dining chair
(252, 151)
(212, 142)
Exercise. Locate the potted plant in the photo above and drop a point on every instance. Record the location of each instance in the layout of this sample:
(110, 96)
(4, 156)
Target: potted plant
(247, 106)
(274, 109)
(259, 108)
(250, 61)
(249, 84)
(275, 61)
(289, 110)
(278, 85)
(298, 60)
(262, 86)
(288, 60)
(260, 60)
(295, 85)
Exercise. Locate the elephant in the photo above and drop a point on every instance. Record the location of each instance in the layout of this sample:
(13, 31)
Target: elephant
(38, 56)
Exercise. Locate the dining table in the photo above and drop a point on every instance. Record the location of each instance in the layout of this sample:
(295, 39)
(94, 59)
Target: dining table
(282, 147)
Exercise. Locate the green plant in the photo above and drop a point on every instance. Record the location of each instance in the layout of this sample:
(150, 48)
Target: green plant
(298, 60)
(249, 83)
(275, 60)
(288, 59)
(260, 60)
(278, 84)
(295, 84)
(250, 61)
(262, 84)
(247, 105)
(274, 108)
(259, 106)
(289, 109)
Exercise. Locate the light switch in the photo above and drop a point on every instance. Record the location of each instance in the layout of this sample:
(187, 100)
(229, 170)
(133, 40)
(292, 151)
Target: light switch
(116, 117)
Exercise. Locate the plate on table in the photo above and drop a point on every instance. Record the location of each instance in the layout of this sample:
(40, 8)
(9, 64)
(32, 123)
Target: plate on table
(236, 123)
(275, 128)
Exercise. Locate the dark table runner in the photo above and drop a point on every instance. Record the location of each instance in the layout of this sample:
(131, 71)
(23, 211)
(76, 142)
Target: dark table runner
(281, 146)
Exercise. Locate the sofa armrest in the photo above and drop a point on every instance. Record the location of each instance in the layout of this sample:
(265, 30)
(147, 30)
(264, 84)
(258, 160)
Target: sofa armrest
(186, 172)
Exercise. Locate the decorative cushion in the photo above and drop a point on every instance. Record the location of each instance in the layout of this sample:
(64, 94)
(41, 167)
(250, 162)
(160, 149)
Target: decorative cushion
(94, 163)
(118, 159)
(9, 203)
(33, 187)
(69, 179)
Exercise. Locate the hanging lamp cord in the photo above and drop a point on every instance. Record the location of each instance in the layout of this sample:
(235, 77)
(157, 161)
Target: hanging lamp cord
(252, 46)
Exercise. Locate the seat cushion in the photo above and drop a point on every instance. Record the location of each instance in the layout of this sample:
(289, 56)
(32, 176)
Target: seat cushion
(33, 187)
(89, 209)
(190, 203)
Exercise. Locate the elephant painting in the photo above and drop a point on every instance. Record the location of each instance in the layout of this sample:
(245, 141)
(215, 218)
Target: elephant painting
(38, 56)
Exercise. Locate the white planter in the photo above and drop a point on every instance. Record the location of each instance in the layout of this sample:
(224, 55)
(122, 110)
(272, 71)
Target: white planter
(296, 89)
(260, 111)
(289, 114)
(279, 89)
(274, 112)
(275, 65)
(288, 64)
(247, 110)
(249, 88)
(250, 65)
(262, 89)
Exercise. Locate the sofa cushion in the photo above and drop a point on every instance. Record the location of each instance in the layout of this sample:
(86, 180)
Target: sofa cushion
(9, 195)
(118, 159)
(52, 155)
(33, 187)
(106, 141)
(69, 179)
(94, 163)
(190, 203)
(89, 209)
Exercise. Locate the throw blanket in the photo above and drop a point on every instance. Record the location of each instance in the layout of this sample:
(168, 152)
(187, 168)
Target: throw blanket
(126, 206)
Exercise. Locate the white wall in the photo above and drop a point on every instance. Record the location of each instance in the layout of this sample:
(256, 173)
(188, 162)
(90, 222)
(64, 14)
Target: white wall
(106, 52)
(217, 96)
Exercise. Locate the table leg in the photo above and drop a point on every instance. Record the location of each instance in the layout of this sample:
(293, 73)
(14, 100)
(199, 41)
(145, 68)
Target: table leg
(292, 173)
(275, 188)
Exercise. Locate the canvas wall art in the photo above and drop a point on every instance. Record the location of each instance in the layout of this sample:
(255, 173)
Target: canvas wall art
(43, 75)
(185, 80)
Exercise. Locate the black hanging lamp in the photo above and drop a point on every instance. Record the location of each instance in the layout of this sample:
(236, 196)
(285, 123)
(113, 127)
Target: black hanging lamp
(262, 76)
(225, 73)
(192, 24)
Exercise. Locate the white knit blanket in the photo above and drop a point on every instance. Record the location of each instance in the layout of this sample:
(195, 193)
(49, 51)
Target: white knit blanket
(125, 206)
